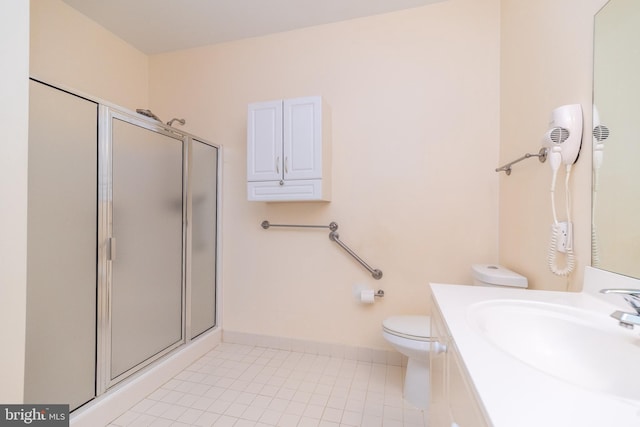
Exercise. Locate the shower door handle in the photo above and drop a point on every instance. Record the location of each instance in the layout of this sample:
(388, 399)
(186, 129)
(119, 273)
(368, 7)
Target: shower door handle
(112, 249)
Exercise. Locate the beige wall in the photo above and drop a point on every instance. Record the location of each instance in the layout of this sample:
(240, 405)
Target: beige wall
(14, 117)
(546, 61)
(70, 50)
(422, 101)
(414, 99)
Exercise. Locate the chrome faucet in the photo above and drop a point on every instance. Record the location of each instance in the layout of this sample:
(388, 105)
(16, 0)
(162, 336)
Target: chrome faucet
(632, 296)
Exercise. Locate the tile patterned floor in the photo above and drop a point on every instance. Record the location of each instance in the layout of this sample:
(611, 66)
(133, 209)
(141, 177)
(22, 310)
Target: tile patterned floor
(246, 386)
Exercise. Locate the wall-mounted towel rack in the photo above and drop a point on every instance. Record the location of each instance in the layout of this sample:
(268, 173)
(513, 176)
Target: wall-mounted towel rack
(542, 156)
(335, 237)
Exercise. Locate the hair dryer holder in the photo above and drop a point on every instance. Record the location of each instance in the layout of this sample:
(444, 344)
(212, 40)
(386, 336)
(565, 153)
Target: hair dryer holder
(542, 156)
(564, 137)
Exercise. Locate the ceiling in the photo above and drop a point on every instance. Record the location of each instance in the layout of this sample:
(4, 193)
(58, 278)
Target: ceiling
(156, 26)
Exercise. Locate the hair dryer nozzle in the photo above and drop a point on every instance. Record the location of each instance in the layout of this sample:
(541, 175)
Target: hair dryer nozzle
(600, 133)
(556, 135)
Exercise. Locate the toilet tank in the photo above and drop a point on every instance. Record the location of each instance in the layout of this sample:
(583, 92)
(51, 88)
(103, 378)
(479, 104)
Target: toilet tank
(497, 275)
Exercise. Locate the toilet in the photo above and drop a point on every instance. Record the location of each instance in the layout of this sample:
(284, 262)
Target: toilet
(411, 335)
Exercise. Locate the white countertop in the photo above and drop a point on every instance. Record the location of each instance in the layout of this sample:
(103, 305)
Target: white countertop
(515, 394)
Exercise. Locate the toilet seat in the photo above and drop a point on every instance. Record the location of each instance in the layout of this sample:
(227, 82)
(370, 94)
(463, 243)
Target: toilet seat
(410, 327)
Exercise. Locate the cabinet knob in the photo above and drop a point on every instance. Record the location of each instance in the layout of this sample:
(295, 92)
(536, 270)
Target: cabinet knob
(281, 182)
(438, 347)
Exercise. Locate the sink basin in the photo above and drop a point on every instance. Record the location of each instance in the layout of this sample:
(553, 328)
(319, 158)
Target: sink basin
(585, 349)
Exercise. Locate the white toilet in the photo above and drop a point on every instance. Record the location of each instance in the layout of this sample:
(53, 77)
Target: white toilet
(410, 334)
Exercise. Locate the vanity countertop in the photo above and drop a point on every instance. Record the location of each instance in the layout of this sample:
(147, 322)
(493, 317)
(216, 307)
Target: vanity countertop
(515, 394)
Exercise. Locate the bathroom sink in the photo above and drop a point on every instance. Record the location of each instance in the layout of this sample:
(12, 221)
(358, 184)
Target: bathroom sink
(580, 347)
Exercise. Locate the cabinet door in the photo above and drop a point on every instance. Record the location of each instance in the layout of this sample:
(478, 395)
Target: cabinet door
(302, 144)
(61, 248)
(264, 141)
(439, 413)
(465, 408)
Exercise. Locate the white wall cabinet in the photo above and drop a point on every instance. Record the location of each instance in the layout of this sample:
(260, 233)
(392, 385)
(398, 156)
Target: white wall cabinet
(289, 150)
(453, 400)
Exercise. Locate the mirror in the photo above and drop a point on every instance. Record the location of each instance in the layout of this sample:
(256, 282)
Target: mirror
(616, 139)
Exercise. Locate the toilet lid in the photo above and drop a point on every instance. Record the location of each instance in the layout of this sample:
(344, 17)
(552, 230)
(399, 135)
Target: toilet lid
(411, 327)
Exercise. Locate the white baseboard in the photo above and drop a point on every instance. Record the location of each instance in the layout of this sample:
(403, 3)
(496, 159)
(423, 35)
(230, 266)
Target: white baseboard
(373, 355)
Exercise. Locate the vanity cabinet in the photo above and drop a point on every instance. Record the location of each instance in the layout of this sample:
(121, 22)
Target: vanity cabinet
(289, 150)
(453, 400)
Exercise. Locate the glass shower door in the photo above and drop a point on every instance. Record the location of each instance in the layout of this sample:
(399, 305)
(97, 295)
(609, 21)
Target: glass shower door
(204, 200)
(146, 246)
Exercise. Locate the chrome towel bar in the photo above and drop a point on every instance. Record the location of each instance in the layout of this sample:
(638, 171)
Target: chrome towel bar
(335, 237)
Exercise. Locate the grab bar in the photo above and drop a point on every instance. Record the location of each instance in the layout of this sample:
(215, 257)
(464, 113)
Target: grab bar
(332, 226)
(377, 274)
(542, 156)
(335, 237)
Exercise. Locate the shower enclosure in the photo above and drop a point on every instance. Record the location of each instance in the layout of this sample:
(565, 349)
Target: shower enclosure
(122, 244)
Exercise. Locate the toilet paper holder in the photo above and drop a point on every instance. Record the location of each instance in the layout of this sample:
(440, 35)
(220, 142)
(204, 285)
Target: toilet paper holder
(367, 295)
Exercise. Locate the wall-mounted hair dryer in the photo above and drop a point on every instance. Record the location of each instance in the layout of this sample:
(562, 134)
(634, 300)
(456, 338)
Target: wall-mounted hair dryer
(564, 138)
(600, 134)
(563, 141)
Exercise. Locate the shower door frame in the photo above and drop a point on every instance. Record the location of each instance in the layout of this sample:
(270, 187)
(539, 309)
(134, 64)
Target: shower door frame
(105, 233)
